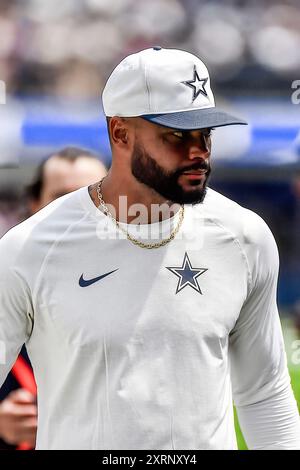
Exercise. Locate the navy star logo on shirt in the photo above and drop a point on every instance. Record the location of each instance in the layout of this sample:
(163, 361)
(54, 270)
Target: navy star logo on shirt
(187, 275)
(197, 84)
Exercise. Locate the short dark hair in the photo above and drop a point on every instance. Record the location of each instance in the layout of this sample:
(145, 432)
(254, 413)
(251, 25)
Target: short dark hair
(34, 189)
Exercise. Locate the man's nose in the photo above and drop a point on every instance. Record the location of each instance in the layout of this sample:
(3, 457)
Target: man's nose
(199, 148)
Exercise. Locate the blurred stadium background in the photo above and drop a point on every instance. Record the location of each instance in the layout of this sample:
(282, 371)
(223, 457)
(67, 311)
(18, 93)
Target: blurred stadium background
(55, 57)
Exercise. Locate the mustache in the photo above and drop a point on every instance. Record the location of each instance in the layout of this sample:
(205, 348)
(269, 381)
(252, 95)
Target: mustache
(196, 166)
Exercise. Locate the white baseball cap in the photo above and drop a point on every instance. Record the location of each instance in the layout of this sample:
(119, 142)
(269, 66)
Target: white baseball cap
(169, 87)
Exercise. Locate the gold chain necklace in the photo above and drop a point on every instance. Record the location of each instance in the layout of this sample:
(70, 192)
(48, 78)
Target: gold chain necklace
(149, 246)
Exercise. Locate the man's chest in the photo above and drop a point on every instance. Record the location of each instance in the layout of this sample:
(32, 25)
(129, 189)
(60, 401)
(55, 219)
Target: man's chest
(125, 291)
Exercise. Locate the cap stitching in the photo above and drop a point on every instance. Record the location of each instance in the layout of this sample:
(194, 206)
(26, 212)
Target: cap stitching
(147, 87)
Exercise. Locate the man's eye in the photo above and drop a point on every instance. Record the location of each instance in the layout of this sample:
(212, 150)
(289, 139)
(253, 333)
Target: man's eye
(178, 134)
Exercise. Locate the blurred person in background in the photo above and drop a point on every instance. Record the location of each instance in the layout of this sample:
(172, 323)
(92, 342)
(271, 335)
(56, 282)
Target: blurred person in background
(61, 173)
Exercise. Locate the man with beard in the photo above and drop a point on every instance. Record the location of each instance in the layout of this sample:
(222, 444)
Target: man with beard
(149, 295)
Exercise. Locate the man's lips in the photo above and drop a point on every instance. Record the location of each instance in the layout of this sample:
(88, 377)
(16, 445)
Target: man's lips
(195, 172)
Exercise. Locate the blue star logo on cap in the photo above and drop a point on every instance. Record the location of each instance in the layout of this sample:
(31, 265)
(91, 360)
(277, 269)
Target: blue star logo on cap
(197, 84)
(187, 275)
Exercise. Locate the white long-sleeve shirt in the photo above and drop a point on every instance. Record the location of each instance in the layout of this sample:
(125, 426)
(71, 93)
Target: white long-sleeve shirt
(144, 349)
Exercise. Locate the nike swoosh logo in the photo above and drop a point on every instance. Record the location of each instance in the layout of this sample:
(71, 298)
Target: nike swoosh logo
(89, 282)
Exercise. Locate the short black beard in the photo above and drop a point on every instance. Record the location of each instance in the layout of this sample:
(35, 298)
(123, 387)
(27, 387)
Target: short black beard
(147, 171)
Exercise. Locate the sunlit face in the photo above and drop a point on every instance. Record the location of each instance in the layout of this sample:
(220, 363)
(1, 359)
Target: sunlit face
(176, 164)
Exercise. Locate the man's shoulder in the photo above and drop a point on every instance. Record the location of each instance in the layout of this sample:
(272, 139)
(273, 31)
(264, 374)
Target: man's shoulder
(45, 225)
(244, 224)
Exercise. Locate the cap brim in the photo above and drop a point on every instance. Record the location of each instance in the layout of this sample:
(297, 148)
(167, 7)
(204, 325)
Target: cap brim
(195, 119)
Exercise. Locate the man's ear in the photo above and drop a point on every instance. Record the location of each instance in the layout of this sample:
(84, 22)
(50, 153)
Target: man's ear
(119, 131)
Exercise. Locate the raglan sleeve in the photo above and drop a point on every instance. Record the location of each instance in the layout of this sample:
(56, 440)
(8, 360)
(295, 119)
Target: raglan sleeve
(16, 317)
(262, 392)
